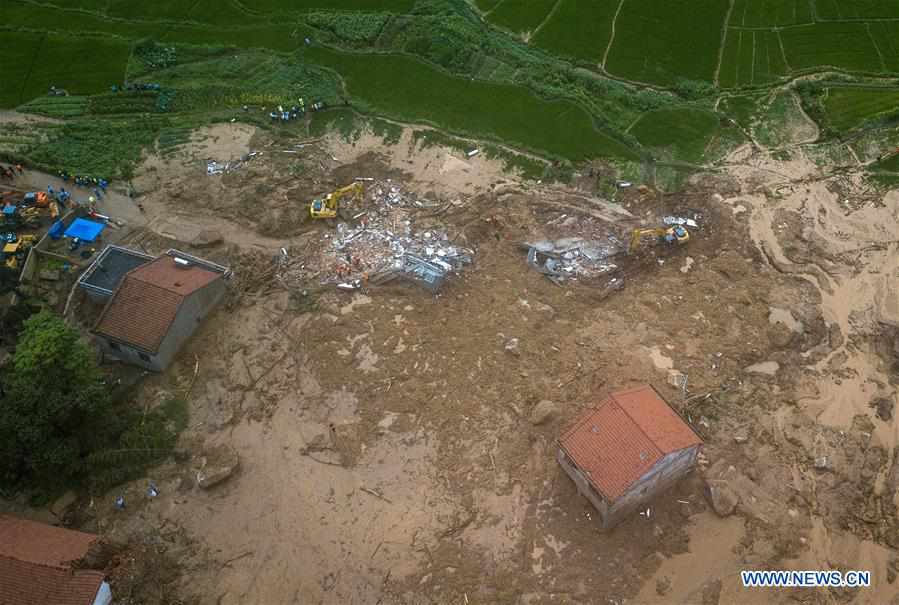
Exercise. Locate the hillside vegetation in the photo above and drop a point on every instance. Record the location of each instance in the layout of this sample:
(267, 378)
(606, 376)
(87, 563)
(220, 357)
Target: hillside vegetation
(632, 82)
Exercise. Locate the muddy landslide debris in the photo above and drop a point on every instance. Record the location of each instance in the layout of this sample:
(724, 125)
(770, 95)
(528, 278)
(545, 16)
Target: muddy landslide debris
(543, 412)
(379, 240)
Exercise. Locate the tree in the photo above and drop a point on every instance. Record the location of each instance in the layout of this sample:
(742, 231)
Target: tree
(54, 410)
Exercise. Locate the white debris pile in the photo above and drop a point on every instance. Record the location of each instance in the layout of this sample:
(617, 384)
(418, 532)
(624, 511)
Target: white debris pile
(378, 242)
(214, 168)
(573, 257)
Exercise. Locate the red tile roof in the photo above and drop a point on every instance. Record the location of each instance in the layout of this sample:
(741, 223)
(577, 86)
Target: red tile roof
(620, 440)
(165, 273)
(145, 304)
(29, 584)
(35, 565)
(41, 543)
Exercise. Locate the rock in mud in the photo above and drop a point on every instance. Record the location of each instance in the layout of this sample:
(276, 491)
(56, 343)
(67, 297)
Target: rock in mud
(511, 347)
(207, 238)
(768, 368)
(722, 498)
(217, 465)
(822, 463)
(781, 337)
(884, 407)
(63, 503)
(741, 435)
(543, 412)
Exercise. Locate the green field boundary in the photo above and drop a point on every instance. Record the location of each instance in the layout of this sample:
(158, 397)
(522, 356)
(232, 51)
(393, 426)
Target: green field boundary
(633, 153)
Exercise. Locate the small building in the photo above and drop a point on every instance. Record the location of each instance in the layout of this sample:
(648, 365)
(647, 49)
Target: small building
(105, 274)
(157, 307)
(37, 566)
(626, 450)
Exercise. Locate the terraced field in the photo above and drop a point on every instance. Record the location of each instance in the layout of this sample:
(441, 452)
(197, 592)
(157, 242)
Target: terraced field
(571, 79)
(849, 108)
(580, 29)
(521, 15)
(683, 132)
(421, 93)
(749, 43)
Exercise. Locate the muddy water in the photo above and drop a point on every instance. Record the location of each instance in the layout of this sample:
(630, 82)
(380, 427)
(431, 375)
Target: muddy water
(855, 298)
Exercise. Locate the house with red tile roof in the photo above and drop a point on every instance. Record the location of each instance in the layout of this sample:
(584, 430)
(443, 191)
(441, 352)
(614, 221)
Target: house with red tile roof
(36, 566)
(626, 450)
(157, 306)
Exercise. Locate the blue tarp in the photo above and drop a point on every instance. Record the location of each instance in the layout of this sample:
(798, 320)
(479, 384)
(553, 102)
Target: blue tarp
(85, 230)
(9, 210)
(56, 230)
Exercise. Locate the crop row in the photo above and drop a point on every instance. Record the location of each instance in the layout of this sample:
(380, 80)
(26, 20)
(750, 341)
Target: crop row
(848, 108)
(414, 91)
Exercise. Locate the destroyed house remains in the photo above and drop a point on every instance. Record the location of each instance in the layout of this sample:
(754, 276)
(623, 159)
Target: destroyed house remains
(626, 450)
(157, 307)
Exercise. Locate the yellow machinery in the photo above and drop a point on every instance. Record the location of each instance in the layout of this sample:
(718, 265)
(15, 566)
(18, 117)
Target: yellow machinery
(676, 234)
(16, 251)
(328, 206)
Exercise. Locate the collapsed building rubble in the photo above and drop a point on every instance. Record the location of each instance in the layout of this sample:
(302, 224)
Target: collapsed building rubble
(379, 243)
(573, 257)
(214, 167)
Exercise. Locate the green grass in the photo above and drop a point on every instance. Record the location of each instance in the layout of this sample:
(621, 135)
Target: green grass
(414, 91)
(57, 107)
(486, 5)
(751, 58)
(841, 45)
(662, 42)
(857, 9)
(890, 164)
(227, 80)
(217, 12)
(19, 51)
(742, 109)
(682, 133)
(848, 108)
(886, 37)
(521, 15)
(768, 13)
(776, 121)
(294, 6)
(82, 65)
(579, 29)
(107, 148)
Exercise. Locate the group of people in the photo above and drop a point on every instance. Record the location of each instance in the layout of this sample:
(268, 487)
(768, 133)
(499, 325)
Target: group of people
(62, 196)
(9, 172)
(99, 185)
(84, 181)
(286, 115)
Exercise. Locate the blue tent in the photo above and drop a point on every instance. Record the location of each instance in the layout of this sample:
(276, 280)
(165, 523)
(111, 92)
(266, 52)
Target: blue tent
(56, 230)
(85, 230)
(9, 210)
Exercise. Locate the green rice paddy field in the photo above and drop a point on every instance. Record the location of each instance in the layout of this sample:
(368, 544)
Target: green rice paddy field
(498, 111)
(571, 79)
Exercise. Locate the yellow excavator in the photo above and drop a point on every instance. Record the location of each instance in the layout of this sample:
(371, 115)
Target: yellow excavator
(328, 206)
(676, 234)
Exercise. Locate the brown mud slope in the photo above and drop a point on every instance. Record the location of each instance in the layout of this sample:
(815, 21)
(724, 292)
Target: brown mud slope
(387, 453)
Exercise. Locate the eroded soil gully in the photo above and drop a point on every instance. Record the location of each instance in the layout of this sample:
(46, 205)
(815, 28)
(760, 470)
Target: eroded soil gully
(855, 295)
